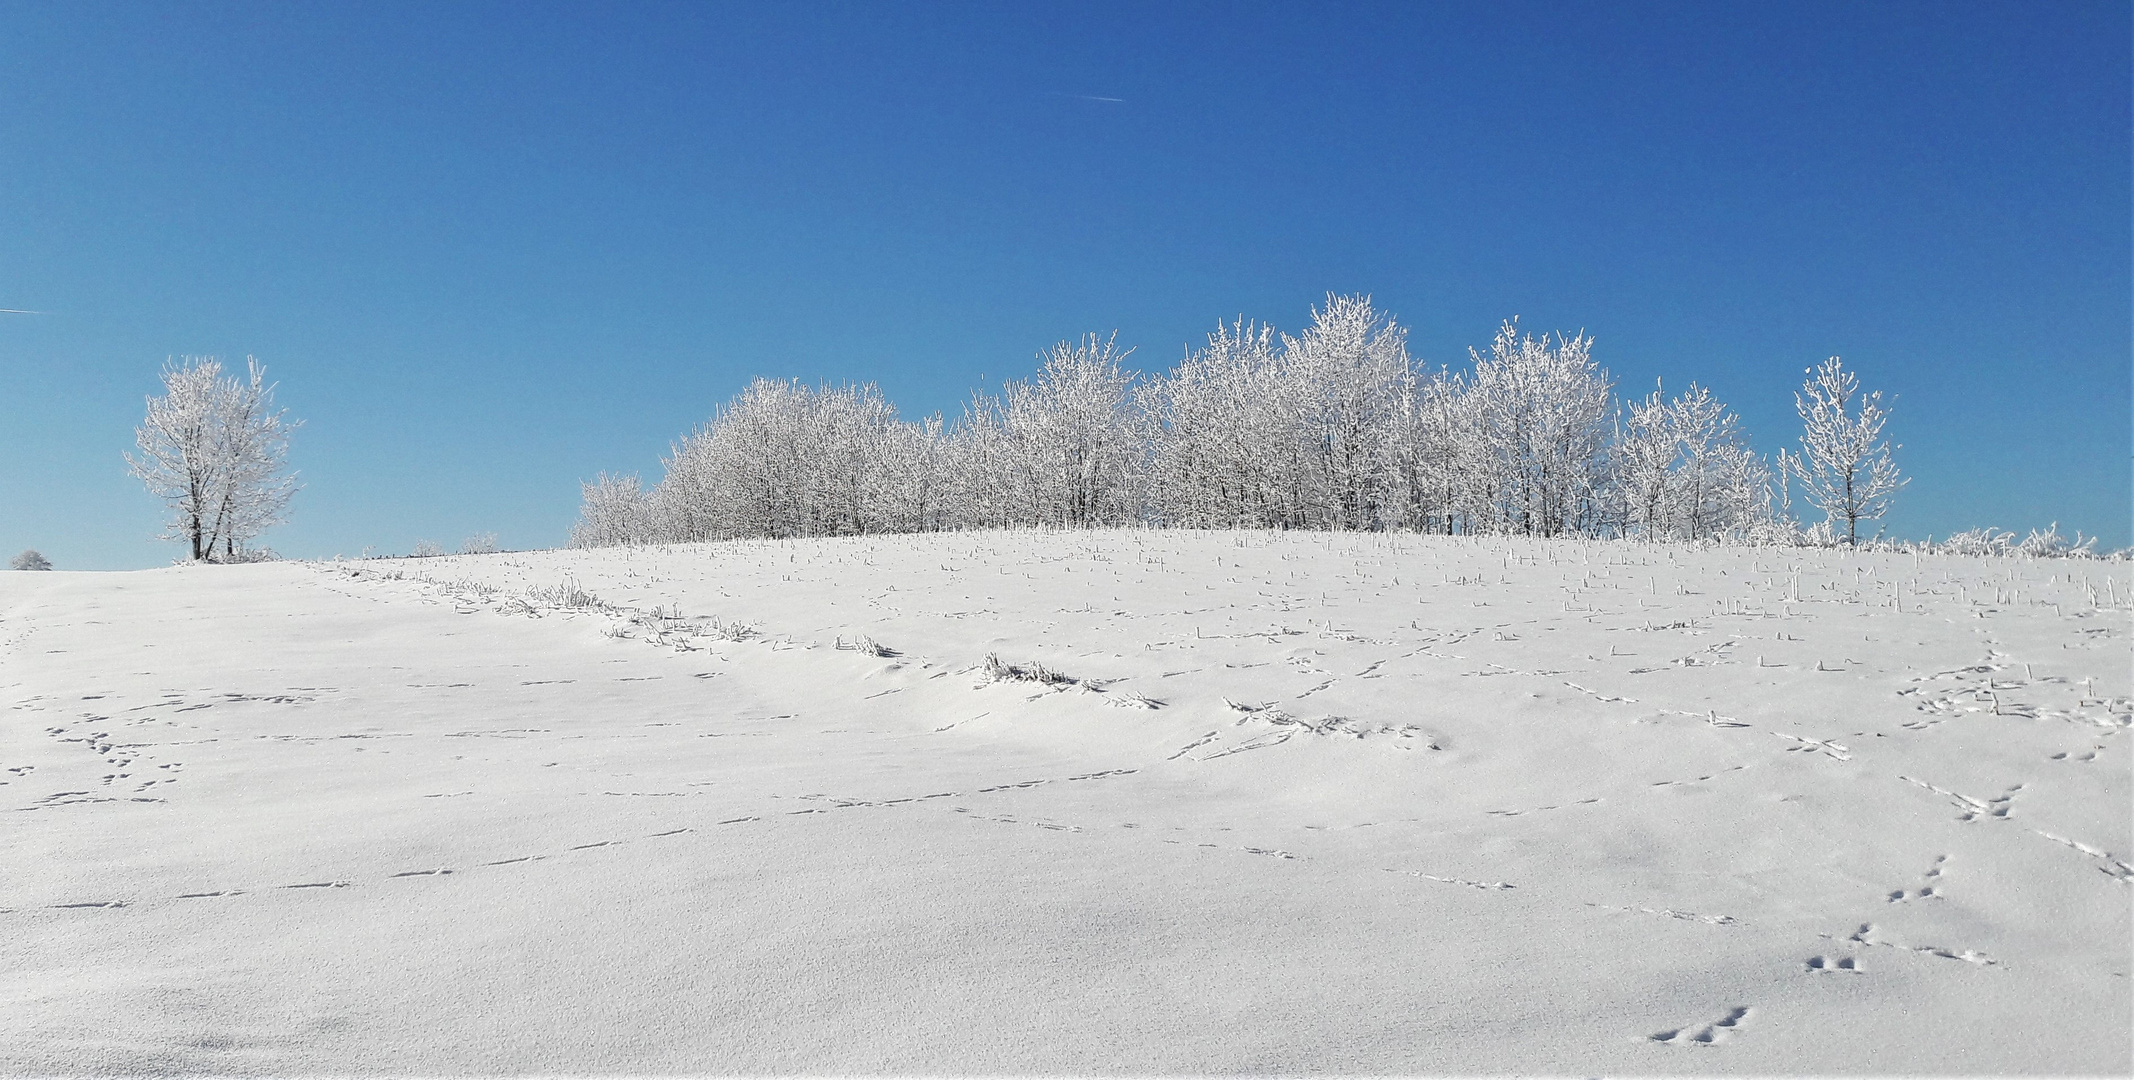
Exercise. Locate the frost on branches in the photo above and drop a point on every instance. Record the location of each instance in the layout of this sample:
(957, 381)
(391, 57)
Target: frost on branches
(215, 450)
(1844, 468)
(1335, 428)
(1683, 469)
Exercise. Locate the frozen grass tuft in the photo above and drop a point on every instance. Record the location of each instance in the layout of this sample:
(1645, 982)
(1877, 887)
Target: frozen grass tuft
(721, 630)
(568, 596)
(865, 646)
(998, 670)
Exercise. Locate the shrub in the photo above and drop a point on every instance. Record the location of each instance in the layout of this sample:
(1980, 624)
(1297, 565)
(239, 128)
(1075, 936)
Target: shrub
(30, 560)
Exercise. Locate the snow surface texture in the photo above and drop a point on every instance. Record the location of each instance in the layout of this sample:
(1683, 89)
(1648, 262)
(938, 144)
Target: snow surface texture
(1149, 802)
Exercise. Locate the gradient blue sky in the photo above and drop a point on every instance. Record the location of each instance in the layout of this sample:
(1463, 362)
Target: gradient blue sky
(489, 251)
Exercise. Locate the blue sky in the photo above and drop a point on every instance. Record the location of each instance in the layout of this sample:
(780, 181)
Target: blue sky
(489, 251)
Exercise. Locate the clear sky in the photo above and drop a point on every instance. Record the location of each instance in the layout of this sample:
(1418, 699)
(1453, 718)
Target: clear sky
(489, 251)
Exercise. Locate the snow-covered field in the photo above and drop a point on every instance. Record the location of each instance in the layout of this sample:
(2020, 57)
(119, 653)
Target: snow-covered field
(1310, 803)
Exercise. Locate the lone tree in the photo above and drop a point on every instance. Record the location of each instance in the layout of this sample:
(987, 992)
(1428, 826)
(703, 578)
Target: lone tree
(30, 560)
(1844, 467)
(215, 449)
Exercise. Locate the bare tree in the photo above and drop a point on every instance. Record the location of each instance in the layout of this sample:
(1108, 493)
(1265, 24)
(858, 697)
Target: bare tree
(1844, 467)
(215, 449)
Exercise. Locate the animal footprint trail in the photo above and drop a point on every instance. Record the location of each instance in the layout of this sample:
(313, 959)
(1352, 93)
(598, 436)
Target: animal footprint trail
(1996, 808)
(345, 883)
(1826, 965)
(1928, 889)
(1862, 936)
(1718, 1031)
(1009, 820)
(1597, 695)
(1826, 747)
(1538, 809)
(1258, 742)
(1672, 913)
(1453, 880)
(2114, 868)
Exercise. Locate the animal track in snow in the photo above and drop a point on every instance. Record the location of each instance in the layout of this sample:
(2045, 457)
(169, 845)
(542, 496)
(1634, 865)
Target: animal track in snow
(1927, 890)
(1454, 880)
(1825, 964)
(1973, 809)
(1272, 853)
(1597, 694)
(1671, 913)
(2114, 868)
(1539, 809)
(1717, 1031)
(1710, 716)
(1697, 780)
(1007, 820)
(1969, 956)
(1258, 742)
(1826, 747)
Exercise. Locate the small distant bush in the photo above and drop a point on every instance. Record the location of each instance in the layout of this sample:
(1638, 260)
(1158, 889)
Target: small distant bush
(1987, 541)
(479, 544)
(2046, 543)
(29, 560)
(426, 549)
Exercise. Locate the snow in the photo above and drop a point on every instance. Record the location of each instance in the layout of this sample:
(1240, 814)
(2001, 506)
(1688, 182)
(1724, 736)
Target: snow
(1311, 803)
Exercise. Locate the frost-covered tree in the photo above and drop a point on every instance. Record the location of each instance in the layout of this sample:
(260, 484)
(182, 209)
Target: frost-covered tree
(780, 460)
(615, 510)
(215, 450)
(1222, 442)
(1346, 377)
(1437, 459)
(1683, 470)
(29, 560)
(1646, 446)
(1844, 467)
(257, 490)
(1720, 486)
(1541, 413)
(907, 486)
(1059, 448)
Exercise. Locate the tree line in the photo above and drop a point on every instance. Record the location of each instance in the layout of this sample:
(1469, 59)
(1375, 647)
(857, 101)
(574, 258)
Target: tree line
(1335, 428)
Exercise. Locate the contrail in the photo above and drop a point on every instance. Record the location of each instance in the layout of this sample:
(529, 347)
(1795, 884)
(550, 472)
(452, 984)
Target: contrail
(19, 311)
